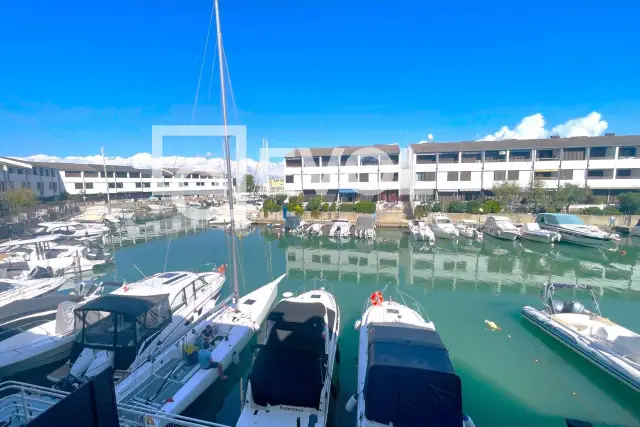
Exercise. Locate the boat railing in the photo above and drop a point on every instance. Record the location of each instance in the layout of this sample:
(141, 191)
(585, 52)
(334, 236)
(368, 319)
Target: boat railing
(21, 292)
(23, 402)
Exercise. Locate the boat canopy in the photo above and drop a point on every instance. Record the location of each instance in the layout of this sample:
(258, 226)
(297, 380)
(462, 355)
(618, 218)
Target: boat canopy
(558, 219)
(365, 222)
(531, 226)
(290, 368)
(120, 323)
(410, 380)
(568, 285)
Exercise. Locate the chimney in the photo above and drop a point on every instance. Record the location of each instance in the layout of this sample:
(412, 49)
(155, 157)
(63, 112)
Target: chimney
(610, 134)
(555, 136)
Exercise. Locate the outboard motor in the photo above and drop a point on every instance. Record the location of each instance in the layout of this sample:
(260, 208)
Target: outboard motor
(577, 307)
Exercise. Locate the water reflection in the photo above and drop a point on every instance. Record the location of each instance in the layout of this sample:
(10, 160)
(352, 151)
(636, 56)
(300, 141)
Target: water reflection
(507, 266)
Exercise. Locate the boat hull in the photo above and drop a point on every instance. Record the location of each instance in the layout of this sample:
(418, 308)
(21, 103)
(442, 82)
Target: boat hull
(443, 234)
(578, 238)
(542, 238)
(579, 345)
(505, 235)
(54, 352)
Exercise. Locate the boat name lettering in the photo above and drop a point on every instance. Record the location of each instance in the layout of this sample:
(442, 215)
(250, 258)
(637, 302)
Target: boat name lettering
(290, 408)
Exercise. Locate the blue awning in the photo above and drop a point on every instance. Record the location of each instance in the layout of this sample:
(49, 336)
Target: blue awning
(347, 191)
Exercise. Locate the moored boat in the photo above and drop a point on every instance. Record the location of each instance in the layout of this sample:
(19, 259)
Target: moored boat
(405, 375)
(470, 229)
(292, 376)
(574, 230)
(532, 231)
(442, 227)
(609, 346)
(421, 231)
(500, 227)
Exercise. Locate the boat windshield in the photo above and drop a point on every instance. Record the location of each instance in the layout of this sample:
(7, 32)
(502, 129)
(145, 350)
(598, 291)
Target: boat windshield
(443, 221)
(563, 219)
(507, 225)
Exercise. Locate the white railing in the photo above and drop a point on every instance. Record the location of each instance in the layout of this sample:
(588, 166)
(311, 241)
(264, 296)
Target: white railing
(22, 402)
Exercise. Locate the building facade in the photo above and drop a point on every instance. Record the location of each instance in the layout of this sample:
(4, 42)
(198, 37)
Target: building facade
(44, 181)
(366, 173)
(609, 165)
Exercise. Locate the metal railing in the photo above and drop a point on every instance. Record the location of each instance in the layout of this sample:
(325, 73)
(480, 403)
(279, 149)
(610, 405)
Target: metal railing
(22, 402)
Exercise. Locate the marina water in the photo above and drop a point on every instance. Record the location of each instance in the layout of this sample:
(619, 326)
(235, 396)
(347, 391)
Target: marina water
(516, 376)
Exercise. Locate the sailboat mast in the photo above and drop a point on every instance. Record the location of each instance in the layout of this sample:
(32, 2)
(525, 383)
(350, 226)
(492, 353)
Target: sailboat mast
(227, 155)
(104, 165)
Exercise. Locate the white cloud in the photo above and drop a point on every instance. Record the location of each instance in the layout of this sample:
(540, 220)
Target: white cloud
(146, 161)
(533, 127)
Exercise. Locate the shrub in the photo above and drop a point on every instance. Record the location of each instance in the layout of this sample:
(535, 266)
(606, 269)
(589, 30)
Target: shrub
(314, 203)
(458, 207)
(315, 214)
(280, 198)
(325, 207)
(474, 206)
(607, 211)
(347, 207)
(421, 211)
(332, 208)
(491, 206)
(365, 206)
(435, 208)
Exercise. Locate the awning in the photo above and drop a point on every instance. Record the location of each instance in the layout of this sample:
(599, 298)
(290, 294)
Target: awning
(347, 191)
(546, 170)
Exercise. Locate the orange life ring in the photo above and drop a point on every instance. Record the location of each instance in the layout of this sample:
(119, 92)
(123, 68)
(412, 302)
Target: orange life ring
(222, 269)
(376, 298)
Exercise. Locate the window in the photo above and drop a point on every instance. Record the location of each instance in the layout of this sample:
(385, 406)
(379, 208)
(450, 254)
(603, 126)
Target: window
(499, 175)
(566, 174)
(121, 175)
(364, 177)
(50, 186)
(88, 186)
(326, 178)
(138, 185)
(513, 175)
(388, 177)
(288, 179)
(390, 159)
(369, 161)
(465, 176)
(627, 152)
(91, 174)
(72, 174)
(495, 156)
(574, 154)
(348, 160)
(146, 176)
(311, 161)
(198, 184)
(600, 174)
(178, 302)
(291, 256)
(425, 176)
(109, 174)
(549, 154)
(448, 158)
(39, 186)
(293, 163)
(46, 172)
(315, 179)
(315, 258)
(471, 157)
(545, 175)
(623, 173)
(55, 186)
(78, 186)
(12, 170)
(601, 153)
(21, 172)
(52, 172)
(452, 176)
(132, 175)
(115, 185)
(353, 177)
(425, 159)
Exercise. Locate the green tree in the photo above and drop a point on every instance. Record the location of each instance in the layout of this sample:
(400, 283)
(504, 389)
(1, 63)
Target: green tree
(20, 199)
(325, 207)
(280, 198)
(314, 203)
(571, 194)
(298, 210)
(249, 183)
(332, 208)
(507, 192)
(491, 206)
(629, 203)
(536, 193)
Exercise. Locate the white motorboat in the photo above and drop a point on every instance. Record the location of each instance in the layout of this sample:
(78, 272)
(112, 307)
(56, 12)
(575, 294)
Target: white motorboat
(421, 231)
(44, 252)
(635, 231)
(609, 346)
(121, 329)
(365, 227)
(39, 282)
(405, 375)
(72, 229)
(340, 228)
(442, 227)
(470, 229)
(41, 343)
(168, 383)
(23, 314)
(315, 229)
(500, 227)
(574, 230)
(532, 231)
(292, 378)
(240, 225)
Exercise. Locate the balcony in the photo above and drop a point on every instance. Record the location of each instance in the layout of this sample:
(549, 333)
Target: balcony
(520, 156)
(495, 156)
(548, 155)
(599, 174)
(471, 157)
(602, 153)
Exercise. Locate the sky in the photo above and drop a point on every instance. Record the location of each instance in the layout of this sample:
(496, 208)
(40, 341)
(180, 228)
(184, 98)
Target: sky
(78, 75)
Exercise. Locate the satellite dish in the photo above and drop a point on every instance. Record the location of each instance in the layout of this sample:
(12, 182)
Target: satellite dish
(287, 295)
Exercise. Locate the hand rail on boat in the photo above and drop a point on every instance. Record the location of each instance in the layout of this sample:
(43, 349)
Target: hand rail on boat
(26, 409)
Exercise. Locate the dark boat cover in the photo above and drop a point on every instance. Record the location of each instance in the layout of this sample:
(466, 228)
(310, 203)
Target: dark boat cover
(290, 369)
(410, 380)
(26, 307)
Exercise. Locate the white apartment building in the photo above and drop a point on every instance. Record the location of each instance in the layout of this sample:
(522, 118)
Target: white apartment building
(44, 181)
(51, 180)
(371, 173)
(609, 165)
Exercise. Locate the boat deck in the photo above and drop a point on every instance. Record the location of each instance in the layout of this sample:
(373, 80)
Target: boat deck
(155, 391)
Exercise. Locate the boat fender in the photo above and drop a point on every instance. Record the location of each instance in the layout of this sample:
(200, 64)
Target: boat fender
(467, 421)
(357, 325)
(351, 404)
(235, 358)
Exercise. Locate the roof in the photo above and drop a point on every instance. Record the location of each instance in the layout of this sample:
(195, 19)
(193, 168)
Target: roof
(515, 144)
(344, 150)
(14, 162)
(64, 166)
(126, 304)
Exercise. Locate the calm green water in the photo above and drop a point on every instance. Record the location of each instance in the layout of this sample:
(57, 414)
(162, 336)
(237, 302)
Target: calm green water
(513, 377)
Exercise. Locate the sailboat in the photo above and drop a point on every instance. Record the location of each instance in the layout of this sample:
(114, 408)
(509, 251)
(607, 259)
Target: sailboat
(170, 381)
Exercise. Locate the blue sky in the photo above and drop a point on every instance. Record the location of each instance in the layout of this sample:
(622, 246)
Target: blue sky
(76, 75)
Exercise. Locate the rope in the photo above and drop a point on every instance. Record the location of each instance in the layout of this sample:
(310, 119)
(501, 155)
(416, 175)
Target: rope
(204, 57)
